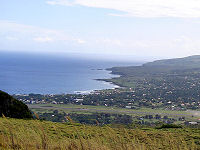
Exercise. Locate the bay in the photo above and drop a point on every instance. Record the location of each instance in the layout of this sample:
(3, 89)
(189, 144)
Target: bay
(27, 73)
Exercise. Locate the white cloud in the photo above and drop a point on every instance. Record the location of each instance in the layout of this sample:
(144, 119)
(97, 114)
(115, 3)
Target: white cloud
(11, 38)
(43, 39)
(80, 41)
(20, 31)
(141, 8)
(19, 36)
(188, 45)
(109, 41)
(13, 31)
(178, 46)
(59, 2)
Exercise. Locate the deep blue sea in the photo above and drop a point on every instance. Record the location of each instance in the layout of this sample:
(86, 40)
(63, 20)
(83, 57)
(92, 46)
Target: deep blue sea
(26, 73)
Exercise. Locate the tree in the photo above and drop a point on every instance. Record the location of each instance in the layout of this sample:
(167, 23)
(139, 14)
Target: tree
(10, 107)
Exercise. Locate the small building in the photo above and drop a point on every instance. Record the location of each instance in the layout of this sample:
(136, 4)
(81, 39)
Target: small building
(129, 107)
(192, 123)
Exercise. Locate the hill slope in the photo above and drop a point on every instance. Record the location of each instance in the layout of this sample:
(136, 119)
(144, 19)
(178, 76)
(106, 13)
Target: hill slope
(13, 108)
(159, 82)
(33, 134)
(159, 66)
(190, 62)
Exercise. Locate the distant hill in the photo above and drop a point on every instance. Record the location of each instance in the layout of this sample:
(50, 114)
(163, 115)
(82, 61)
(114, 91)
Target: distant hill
(176, 80)
(191, 62)
(10, 107)
(159, 66)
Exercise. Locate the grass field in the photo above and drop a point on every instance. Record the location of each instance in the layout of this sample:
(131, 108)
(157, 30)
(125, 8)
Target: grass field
(191, 115)
(34, 134)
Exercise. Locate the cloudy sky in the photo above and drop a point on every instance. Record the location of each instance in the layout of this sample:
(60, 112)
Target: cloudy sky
(138, 28)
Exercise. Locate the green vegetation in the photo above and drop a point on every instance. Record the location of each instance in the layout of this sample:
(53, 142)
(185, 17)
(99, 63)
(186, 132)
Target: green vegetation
(166, 88)
(171, 84)
(110, 115)
(169, 126)
(34, 134)
(150, 113)
(11, 107)
(89, 108)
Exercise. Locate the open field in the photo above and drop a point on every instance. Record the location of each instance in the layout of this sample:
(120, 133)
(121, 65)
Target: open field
(194, 115)
(34, 134)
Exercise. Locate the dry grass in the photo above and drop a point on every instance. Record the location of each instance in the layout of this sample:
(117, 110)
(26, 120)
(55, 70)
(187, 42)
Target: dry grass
(34, 134)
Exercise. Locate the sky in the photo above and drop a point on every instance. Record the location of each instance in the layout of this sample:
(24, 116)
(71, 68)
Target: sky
(121, 29)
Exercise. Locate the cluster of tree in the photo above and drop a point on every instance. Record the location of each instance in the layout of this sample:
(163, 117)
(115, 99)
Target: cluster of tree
(107, 118)
(94, 118)
(10, 107)
(54, 116)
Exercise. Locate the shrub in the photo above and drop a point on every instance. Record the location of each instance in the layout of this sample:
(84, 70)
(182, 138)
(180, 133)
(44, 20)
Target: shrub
(169, 126)
(10, 107)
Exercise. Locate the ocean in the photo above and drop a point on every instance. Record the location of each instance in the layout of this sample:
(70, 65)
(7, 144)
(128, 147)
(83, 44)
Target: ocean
(41, 74)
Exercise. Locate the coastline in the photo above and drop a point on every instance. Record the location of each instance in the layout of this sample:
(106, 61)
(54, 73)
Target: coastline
(110, 80)
(119, 74)
(105, 81)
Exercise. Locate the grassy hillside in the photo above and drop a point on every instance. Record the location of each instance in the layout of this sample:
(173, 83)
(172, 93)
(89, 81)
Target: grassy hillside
(34, 134)
(159, 67)
(191, 62)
